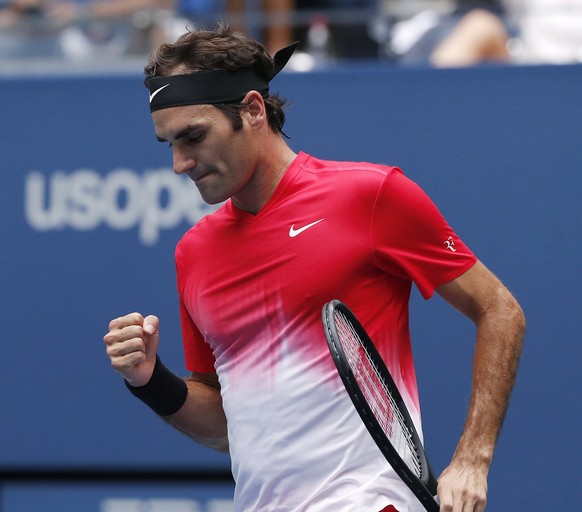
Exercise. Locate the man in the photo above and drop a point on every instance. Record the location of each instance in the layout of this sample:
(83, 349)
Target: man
(294, 233)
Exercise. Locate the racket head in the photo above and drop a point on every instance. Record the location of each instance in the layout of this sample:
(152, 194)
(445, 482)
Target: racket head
(421, 479)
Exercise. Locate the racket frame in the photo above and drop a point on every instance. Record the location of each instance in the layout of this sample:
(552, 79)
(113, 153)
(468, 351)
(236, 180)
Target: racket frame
(425, 487)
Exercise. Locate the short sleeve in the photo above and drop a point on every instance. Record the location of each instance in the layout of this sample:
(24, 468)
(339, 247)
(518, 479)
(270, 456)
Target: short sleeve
(411, 238)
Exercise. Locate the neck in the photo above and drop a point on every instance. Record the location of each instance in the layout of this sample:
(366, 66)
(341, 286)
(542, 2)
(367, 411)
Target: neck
(266, 178)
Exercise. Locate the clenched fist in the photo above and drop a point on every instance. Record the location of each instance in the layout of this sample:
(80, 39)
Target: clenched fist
(132, 344)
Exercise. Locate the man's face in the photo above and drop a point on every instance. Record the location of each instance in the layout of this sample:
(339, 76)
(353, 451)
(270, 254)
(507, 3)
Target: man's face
(205, 147)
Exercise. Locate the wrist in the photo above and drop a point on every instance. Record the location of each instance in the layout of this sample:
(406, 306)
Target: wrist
(165, 393)
(473, 454)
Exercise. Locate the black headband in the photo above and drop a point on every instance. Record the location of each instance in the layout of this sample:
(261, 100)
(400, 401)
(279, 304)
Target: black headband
(215, 86)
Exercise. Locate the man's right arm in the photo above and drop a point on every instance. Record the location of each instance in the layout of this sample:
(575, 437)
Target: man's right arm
(192, 405)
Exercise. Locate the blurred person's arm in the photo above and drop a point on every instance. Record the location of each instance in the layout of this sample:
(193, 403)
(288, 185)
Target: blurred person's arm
(278, 31)
(72, 11)
(14, 11)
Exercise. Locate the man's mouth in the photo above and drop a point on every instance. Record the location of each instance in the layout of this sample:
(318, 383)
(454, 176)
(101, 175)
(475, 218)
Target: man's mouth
(197, 176)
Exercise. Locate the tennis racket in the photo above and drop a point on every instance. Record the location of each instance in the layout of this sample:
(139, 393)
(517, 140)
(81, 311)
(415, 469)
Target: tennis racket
(378, 401)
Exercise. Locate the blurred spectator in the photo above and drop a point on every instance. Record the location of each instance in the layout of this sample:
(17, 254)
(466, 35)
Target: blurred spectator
(78, 29)
(473, 32)
(338, 28)
(81, 29)
(548, 31)
(269, 21)
(109, 27)
(194, 13)
(24, 31)
(341, 28)
(274, 24)
(443, 33)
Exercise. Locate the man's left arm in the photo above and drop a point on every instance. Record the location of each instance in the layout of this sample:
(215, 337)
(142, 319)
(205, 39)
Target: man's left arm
(500, 322)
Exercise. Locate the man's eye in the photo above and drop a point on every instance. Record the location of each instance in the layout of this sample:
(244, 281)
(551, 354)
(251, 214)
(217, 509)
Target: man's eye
(194, 139)
(169, 144)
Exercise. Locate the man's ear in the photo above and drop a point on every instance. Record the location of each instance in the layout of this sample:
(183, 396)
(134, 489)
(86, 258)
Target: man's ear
(255, 105)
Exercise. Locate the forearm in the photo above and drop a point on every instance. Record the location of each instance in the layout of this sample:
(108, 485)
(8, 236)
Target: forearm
(202, 416)
(500, 330)
(192, 405)
(480, 296)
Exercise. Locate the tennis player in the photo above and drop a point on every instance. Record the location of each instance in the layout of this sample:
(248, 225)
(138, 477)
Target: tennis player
(294, 232)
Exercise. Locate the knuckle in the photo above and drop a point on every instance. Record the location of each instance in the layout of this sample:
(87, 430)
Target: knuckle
(109, 338)
(134, 318)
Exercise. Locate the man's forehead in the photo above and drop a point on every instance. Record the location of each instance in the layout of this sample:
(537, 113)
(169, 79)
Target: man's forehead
(187, 113)
(171, 122)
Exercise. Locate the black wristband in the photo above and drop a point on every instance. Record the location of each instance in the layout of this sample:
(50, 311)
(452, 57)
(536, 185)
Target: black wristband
(165, 393)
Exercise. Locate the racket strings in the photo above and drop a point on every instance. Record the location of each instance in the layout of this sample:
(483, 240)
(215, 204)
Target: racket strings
(373, 386)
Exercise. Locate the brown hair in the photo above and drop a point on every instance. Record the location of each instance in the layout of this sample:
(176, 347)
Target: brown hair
(205, 50)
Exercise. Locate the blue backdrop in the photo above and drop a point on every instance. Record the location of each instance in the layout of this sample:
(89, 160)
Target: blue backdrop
(90, 213)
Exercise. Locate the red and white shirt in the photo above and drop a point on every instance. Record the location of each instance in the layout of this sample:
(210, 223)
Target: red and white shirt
(251, 290)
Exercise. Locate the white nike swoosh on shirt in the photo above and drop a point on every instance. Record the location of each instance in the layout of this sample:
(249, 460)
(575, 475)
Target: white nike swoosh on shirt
(153, 94)
(294, 232)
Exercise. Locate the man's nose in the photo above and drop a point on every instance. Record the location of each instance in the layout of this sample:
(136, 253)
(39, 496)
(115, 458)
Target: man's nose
(183, 163)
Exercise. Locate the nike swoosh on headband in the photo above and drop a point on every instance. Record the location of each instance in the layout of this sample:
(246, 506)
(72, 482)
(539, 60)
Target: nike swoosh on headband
(153, 94)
